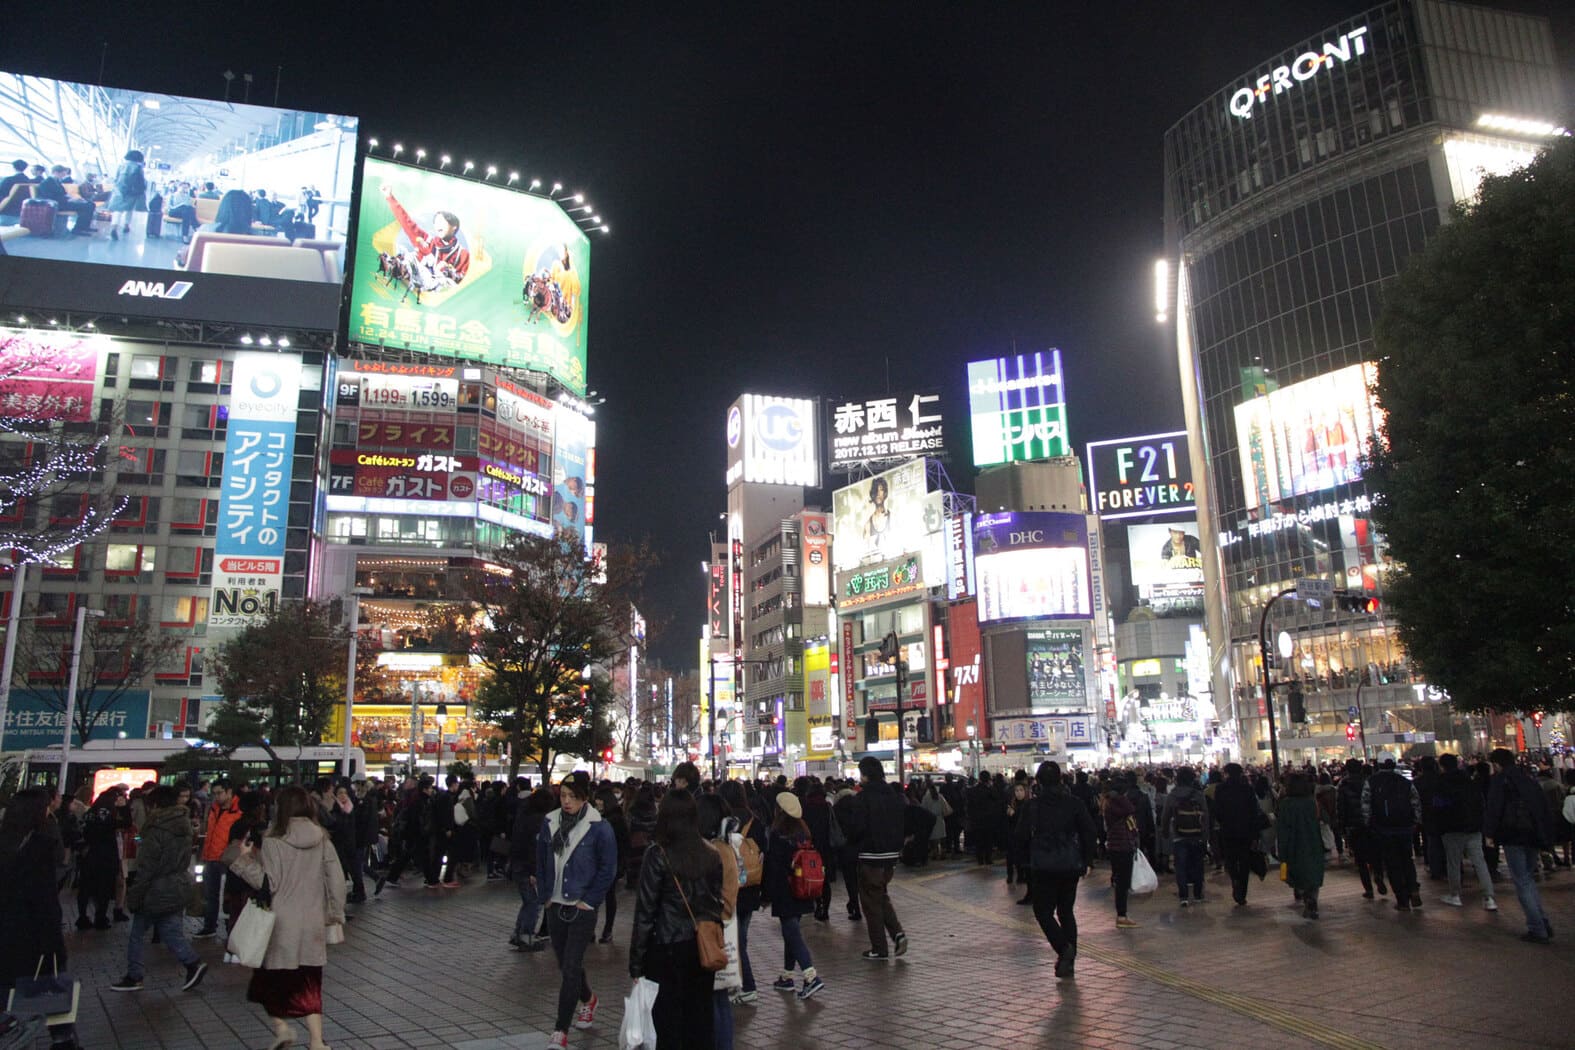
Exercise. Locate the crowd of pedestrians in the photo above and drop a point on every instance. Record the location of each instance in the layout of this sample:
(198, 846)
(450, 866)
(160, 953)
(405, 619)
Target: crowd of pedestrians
(701, 857)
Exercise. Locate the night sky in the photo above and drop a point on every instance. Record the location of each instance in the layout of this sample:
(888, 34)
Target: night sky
(804, 199)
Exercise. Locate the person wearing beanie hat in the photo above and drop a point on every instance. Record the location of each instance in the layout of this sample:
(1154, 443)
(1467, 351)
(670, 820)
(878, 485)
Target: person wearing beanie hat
(788, 835)
(872, 822)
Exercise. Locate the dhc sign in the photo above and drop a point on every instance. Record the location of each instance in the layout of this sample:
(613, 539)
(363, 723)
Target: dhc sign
(1303, 68)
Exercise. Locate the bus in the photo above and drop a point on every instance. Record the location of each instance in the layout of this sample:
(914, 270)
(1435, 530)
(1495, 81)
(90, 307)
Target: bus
(103, 763)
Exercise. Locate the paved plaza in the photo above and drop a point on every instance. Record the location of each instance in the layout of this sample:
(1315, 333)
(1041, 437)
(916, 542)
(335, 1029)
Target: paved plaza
(424, 969)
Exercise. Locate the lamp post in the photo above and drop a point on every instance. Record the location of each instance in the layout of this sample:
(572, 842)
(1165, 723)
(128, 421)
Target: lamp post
(13, 622)
(1268, 687)
(973, 748)
(83, 612)
(356, 594)
(440, 716)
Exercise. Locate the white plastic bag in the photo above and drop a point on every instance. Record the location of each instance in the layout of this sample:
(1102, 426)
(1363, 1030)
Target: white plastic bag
(731, 975)
(1143, 878)
(639, 1031)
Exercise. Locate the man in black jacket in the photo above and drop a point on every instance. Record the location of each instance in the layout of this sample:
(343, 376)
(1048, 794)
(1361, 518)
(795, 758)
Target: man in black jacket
(1457, 806)
(872, 822)
(1060, 850)
(1517, 817)
(982, 805)
(1239, 818)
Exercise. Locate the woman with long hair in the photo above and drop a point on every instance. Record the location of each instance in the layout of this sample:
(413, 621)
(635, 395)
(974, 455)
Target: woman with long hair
(1300, 842)
(680, 887)
(751, 828)
(576, 864)
(30, 906)
(308, 886)
(788, 833)
(606, 803)
(234, 215)
(98, 867)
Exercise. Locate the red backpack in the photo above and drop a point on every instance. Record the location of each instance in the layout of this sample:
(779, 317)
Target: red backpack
(807, 873)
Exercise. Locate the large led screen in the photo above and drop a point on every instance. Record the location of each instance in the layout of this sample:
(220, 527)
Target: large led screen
(1055, 667)
(1308, 436)
(121, 201)
(1167, 566)
(473, 270)
(1017, 408)
(881, 518)
(1032, 565)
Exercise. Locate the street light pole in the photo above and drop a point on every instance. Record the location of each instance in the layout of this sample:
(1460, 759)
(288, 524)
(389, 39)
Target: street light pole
(1268, 687)
(440, 716)
(355, 624)
(83, 612)
(13, 624)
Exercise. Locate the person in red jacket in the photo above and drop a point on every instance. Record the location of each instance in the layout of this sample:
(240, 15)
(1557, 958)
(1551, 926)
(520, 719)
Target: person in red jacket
(439, 251)
(223, 812)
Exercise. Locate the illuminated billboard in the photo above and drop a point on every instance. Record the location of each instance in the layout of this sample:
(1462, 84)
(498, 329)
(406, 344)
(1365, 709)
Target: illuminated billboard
(1308, 436)
(1140, 477)
(1055, 668)
(574, 472)
(462, 268)
(773, 441)
(47, 376)
(881, 518)
(1017, 408)
(816, 569)
(130, 202)
(884, 430)
(1032, 565)
(1167, 566)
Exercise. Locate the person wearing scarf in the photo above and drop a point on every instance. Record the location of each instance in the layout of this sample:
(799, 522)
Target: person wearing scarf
(577, 856)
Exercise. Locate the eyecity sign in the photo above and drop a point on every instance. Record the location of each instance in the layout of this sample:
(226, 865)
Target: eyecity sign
(1302, 68)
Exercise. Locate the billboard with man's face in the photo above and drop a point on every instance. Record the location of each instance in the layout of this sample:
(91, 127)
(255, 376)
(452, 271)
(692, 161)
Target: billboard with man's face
(476, 271)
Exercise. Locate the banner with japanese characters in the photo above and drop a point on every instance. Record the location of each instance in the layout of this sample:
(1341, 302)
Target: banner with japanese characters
(884, 430)
(47, 376)
(254, 498)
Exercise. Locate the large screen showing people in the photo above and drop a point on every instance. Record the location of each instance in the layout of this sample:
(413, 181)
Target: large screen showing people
(470, 269)
(182, 195)
(1308, 436)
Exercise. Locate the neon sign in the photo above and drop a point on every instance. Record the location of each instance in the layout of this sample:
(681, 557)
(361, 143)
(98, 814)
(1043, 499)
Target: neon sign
(1302, 68)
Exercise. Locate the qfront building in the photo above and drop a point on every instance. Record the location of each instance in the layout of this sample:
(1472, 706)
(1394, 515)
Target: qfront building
(1293, 195)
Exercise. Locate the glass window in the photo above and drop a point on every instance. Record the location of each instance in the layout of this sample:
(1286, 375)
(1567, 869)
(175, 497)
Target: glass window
(202, 371)
(128, 558)
(146, 366)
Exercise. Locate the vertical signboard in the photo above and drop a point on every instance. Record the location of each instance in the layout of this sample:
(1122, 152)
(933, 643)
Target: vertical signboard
(1017, 408)
(816, 571)
(959, 556)
(716, 601)
(573, 471)
(845, 668)
(255, 494)
(772, 441)
(817, 699)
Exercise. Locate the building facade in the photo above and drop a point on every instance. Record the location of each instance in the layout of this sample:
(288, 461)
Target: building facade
(1293, 195)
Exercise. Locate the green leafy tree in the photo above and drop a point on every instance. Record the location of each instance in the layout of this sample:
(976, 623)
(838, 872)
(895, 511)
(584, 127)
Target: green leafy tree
(281, 680)
(1476, 472)
(551, 616)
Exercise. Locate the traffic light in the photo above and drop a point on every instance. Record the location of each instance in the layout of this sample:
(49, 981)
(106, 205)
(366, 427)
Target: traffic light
(888, 648)
(1350, 730)
(871, 730)
(1536, 719)
(1298, 704)
(924, 729)
(607, 755)
(1359, 603)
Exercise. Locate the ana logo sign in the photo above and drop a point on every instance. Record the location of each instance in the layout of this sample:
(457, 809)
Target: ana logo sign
(1303, 68)
(779, 428)
(735, 426)
(155, 289)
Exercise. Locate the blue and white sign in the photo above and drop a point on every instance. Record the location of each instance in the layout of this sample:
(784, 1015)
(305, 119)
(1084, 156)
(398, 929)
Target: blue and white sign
(773, 441)
(254, 499)
(32, 722)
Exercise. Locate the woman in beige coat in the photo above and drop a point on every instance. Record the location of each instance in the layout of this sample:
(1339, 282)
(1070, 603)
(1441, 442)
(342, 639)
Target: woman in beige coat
(308, 886)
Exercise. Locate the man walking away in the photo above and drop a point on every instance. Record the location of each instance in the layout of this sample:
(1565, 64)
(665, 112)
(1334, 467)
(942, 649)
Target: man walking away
(223, 812)
(1358, 836)
(1459, 807)
(1185, 821)
(1060, 850)
(1392, 809)
(1240, 818)
(1518, 819)
(872, 822)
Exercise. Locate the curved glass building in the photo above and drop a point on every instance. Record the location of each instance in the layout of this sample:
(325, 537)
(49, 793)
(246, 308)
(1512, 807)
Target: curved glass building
(1293, 195)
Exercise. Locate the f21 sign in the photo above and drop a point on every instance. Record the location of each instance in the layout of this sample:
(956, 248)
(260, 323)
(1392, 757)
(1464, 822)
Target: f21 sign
(1141, 477)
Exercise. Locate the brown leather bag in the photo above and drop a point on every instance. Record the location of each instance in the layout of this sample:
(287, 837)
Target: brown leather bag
(708, 934)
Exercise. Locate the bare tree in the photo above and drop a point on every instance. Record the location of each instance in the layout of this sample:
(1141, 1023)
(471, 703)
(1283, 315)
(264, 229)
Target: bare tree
(115, 660)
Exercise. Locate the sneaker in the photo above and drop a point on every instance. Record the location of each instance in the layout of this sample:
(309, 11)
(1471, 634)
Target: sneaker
(1124, 923)
(901, 943)
(742, 998)
(1402, 905)
(530, 944)
(1185, 902)
(811, 986)
(514, 941)
(784, 984)
(585, 1016)
(205, 932)
(605, 938)
(1490, 904)
(1367, 895)
(493, 876)
(194, 974)
(382, 881)
(558, 1041)
(127, 983)
(1065, 961)
(1452, 900)
(451, 884)
(873, 956)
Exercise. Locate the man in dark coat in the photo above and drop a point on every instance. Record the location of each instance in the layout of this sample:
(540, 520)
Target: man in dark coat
(159, 895)
(981, 820)
(1518, 818)
(1239, 817)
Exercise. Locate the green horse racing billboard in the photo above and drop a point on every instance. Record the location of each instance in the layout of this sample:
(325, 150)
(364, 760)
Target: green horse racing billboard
(461, 268)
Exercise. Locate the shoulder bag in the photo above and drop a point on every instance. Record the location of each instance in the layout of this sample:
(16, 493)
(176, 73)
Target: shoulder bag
(708, 934)
(248, 943)
(54, 997)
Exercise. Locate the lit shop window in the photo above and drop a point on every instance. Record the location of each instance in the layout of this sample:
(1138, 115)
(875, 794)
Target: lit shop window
(128, 559)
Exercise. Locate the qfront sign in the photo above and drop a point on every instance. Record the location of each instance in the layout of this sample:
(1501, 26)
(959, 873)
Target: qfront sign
(1302, 68)
(885, 430)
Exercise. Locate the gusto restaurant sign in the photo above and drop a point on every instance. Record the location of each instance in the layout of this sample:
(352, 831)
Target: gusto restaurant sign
(1302, 68)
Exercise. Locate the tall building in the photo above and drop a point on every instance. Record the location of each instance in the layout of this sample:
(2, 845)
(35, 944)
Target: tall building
(1293, 194)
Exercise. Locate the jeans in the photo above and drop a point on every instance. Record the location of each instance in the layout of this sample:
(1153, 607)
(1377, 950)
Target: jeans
(684, 1011)
(1189, 867)
(1121, 874)
(880, 918)
(1238, 856)
(611, 903)
(1468, 843)
(1054, 898)
(571, 929)
(212, 892)
(1399, 865)
(722, 1019)
(743, 915)
(794, 950)
(1522, 861)
(530, 906)
(171, 928)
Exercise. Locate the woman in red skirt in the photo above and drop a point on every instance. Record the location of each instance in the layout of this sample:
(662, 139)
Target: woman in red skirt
(308, 887)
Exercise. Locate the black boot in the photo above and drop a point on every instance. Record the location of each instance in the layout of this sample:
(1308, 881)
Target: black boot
(1065, 960)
